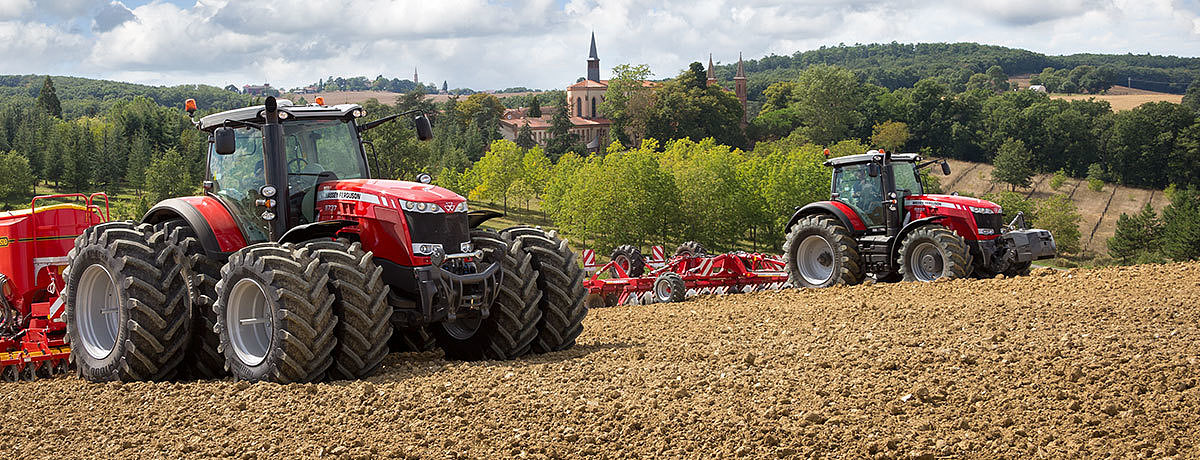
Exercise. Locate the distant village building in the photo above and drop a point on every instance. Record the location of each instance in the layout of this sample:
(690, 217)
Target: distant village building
(1037, 88)
(584, 100)
(256, 90)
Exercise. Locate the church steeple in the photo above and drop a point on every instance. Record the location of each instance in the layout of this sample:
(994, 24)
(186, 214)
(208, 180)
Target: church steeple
(739, 87)
(593, 62)
(712, 73)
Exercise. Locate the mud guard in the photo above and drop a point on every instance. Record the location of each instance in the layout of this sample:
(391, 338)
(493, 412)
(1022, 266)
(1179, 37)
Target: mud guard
(477, 218)
(894, 250)
(323, 229)
(823, 207)
(214, 225)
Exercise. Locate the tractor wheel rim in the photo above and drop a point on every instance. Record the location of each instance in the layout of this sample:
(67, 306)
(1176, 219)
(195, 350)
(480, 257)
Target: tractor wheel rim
(926, 262)
(462, 328)
(98, 311)
(249, 318)
(814, 258)
(622, 262)
(662, 289)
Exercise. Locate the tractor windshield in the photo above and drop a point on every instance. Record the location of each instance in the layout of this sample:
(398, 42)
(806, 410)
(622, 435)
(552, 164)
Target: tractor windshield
(320, 149)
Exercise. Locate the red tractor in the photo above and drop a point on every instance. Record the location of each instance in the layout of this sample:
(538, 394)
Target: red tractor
(880, 222)
(295, 265)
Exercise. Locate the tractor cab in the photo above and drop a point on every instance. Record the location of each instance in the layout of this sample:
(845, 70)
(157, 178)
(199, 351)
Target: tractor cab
(859, 182)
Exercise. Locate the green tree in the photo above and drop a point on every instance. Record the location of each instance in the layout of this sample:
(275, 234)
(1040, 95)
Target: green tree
(1057, 181)
(48, 99)
(535, 174)
(168, 176)
(561, 139)
(1136, 234)
(683, 110)
(535, 107)
(16, 177)
(1191, 99)
(1012, 165)
(627, 102)
(525, 137)
(1181, 225)
(890, 135)
(999, 79)
(497, 172)
(1060, 216)
(1095, 177)
(1012, 203)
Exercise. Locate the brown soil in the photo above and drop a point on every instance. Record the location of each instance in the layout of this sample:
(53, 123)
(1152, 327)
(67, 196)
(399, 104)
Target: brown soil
(1074, 364)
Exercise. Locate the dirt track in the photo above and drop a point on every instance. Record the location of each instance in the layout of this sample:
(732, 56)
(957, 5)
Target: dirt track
(1067, 364)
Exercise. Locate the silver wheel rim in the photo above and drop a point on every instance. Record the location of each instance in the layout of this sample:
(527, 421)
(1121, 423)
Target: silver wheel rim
(97, 311)
(249, 320)
(926, 262)
(814, 258)
(662, 289)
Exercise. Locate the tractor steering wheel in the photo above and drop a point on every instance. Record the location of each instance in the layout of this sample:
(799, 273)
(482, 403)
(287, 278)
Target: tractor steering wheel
(300, 164)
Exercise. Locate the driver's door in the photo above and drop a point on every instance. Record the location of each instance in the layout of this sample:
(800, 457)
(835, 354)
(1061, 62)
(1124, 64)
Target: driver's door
(856, 188)
(236, 180)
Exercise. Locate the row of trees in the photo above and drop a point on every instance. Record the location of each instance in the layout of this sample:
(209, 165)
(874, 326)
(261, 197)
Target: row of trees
(1149, 237)
(1154, 145)
(1082, 79)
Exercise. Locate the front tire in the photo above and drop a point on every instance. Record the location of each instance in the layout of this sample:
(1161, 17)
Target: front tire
(560, 280)
(933, 252)
(360, 303)
(669, 287)
(821, 253)
(275, 314)
(126, 304)
(509, 330)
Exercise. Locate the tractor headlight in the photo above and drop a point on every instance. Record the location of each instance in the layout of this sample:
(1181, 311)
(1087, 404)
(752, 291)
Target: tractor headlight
(408, 205)
(462, 207)
(267, 191)
(421, 207)
(984, 210)
(425, 249)
(358, 113)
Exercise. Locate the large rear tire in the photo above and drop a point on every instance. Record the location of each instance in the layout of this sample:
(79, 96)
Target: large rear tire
(630, 259)
(511, 326)
(202, 273)
(933, 252)
(560, 280)
(360, 303)
(275, 314)
(126, 304)
(821, 252)
(690, 249)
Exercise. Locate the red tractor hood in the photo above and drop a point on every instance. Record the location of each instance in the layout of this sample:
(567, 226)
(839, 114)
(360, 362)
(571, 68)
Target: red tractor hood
(388, 193)
(962, 202)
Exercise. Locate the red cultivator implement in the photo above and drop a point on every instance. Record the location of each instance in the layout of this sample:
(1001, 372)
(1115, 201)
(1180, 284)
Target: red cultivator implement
(630, 279)
(33, 252)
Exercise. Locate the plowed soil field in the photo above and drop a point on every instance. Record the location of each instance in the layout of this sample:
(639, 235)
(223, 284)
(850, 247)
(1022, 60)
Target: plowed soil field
(1077, 364)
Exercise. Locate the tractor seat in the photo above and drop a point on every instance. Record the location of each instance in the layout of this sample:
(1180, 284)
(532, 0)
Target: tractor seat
(308, 205)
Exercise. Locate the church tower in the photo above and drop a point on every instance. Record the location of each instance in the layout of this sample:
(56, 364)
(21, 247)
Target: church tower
(593, 61)
(712, 73)
(739, 85)
(415, 80)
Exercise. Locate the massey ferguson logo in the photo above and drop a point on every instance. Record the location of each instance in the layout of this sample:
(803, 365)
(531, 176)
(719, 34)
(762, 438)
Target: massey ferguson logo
(448, 206)
(4, 241)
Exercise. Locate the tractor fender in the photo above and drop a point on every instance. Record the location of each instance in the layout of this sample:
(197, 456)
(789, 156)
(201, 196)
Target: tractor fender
(894, 250)
(215, 227)
(477, 218)
(323, 229)
(833, 208)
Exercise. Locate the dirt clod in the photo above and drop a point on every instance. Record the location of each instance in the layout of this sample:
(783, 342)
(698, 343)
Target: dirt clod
(1083, 364)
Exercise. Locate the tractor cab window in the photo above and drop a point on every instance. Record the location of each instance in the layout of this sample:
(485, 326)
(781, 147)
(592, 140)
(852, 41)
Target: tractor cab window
(325, 149)
(237, 179)
(863, 193)
(907, 178)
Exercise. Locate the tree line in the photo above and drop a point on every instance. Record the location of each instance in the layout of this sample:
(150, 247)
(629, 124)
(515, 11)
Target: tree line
(1154, 145)
(899, 65)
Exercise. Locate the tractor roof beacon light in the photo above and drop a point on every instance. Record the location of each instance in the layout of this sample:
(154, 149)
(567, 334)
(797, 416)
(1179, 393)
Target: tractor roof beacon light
(190, 107)
(320, 101)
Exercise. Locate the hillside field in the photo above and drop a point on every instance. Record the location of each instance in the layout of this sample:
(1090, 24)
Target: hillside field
(384, 97)
(1100, 210)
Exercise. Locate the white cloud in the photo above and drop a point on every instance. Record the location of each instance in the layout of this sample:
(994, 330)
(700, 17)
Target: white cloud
(537, 43)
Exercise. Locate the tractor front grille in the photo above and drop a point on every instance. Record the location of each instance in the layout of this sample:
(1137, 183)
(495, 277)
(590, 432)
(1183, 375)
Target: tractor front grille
(448, 230)
(992, 222)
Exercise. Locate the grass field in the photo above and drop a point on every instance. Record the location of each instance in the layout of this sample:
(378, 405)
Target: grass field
(1121, 102)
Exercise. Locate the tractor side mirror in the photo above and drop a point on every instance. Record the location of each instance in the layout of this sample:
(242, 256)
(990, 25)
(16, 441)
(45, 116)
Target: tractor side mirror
(945, 168)
(873, 169)
(424, 128)
(224, 141)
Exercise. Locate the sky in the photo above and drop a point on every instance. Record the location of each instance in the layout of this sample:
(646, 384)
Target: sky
(495, 44)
